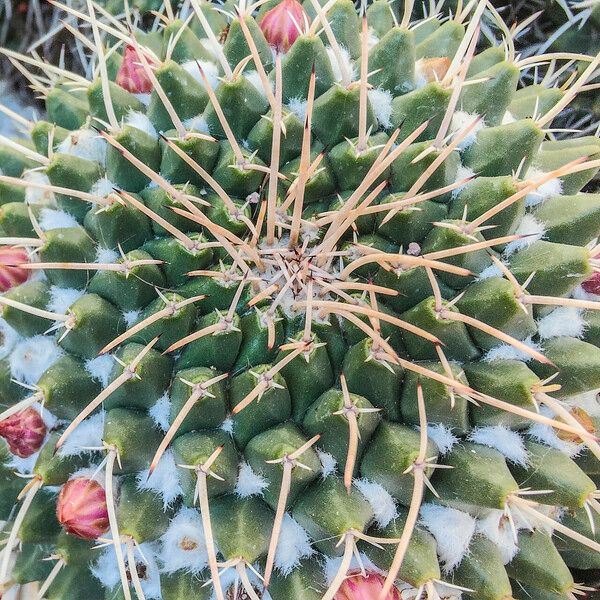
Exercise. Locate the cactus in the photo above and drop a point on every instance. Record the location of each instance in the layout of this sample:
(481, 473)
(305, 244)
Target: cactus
(307, 310)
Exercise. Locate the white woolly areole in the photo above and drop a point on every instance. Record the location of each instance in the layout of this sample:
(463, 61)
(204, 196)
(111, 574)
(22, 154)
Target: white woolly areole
(130, 317)
(164, 479)
(254, 78)
(381, 103)
(382, 503)
(103, 187)
(249, 483)
(140, 121)
(442, 436)
(346, 60)
(547, 435)
(106, 255)
(210, 70)
(35, 195)
(460, 121)
(507, 352)
(62, 298)
(84, 143)
(452, 530)
(143, 98)
(24, 466)
(332, 566)
(50, 218)
(8, 338)
(507, 118)
(183, 545)
(529, 227)
(292, 547)
(491, 271)
(197, 123)
(496, 527)
(328, 463)
(159, 412)
(509, 443)
(461, 173)
(298, 107)
(106, 569)
(230, 581)
(227, 425)
(565, 320)
(100, 367)
(32, 356)
(580, 294)
(546, 190)
(88, 434)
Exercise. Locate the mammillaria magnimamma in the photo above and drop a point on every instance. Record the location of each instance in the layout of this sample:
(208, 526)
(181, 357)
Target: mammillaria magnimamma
(301, 315)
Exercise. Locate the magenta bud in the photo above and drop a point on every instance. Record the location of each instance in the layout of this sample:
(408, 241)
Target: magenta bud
(592, 285)
(24, 432)
(282, 24)
(364, 587)
(131, 75)
(81, 508)
(11, 274)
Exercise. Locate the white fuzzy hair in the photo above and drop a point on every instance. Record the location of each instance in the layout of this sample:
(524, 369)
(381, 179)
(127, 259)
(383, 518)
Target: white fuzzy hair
(183, 546)
(249, 483)
(460, 121)
(529, 227)
(381, 103)
(509, 443)
(497, 529)
(562, 321)
(160, 411)
(507, 352)
(100, 368)
(293, 545)
(8, 338)
(381, 502)
(452, 530)
(546, 190)
(84, 143)
(35, 195)
(62, 298)
(87, 435)
(164, 479)
(32, 356)
(50, 218)
(328, 463)
(442, 436)
(140, 121)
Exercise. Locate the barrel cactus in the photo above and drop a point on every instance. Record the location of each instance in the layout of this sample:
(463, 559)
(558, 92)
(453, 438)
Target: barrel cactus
(299, 302)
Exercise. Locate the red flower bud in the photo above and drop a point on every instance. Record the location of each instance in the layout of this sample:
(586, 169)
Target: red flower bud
(24, 432)
(281, 24)
(592, 285)
(357, 587)
(132, 76)
(81, 508)
(10, 274)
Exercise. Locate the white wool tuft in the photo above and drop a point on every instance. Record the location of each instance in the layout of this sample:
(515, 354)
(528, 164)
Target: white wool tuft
(298, 107)
(143, 98)
(460, 121)
(452, 530)
(210, 70)
(508, 442)
(160, 411)
(84, 143)
(103, 187)
(580, 294)
(442, 436)
(507, 118)
(62, 298)
(131, 316)
(292, 547)
(35, 195)
(88, 434)
(496, 528)
(230, 581)
(547, 435)
(530, 227)
(8, 338)
(54, 219)
(507, 352)
(564, 320)
(183, 545)
(332, 566)
(106, 569)
(335, 67)
(227, 425)
(461, 173)
(543, 192)
(197, 123)
(249, 482)
(382, 503)
(381, 102)
(373, 38)
(100, 368)
(140, 121)
(254, 78)
(328, 463)
(24, 466)
(491, 271)
(32, 356)
(164, 479)
(106, 255)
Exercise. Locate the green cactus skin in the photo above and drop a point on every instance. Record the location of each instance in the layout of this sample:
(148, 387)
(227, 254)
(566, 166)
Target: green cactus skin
(292, 308)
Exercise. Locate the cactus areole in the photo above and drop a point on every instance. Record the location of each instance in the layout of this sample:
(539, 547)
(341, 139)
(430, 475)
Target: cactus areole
(309, 314)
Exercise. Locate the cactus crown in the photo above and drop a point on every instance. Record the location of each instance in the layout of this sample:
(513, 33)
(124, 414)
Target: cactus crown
(302, 300)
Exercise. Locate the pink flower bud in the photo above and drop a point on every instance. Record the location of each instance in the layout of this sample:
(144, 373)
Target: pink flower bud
(281, 25)
(357, 587)
(132, 76)
(81, 508)
(10, 274)
(592, 285)
(24, 432)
